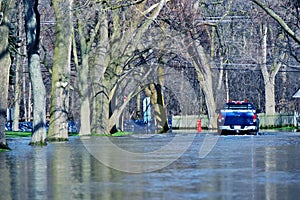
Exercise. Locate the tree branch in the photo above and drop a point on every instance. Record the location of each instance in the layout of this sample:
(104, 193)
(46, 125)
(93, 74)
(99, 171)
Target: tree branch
(277, 18)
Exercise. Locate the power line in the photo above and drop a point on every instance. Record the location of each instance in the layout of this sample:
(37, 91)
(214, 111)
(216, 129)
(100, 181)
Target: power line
(249, 69)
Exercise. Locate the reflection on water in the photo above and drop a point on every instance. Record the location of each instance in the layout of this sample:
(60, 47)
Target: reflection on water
(238, 167)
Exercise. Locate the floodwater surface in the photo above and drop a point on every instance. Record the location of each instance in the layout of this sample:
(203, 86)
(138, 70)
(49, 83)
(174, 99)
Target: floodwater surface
(265, 166)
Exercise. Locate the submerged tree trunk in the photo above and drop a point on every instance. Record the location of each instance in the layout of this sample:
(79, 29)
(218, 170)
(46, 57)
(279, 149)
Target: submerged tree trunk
(155, 92)
(5, 62)
(18, 62)
(86, 41)
(17, 93)
(4, 78)
(32, 26)
(58, 129)
(83, 86)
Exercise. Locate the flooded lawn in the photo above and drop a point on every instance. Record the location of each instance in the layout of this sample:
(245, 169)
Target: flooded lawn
(145, 166)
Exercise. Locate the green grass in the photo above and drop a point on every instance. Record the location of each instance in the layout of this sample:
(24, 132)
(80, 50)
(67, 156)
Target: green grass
(4, 150)
(13, 134)
(17, 134)
(276, 128)
(120, 134)
(286, 128)
(117, 134)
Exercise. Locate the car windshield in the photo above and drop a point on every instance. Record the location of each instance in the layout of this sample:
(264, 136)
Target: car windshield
(242, 106)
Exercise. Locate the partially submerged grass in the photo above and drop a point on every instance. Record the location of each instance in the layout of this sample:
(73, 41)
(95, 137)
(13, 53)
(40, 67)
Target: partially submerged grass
(15, 134)
(4, 150)
(117, 134)
(120, 134)
(286, 128)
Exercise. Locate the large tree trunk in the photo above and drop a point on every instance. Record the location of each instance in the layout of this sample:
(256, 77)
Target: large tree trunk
(58, 129)
(5, 62)
(270, 97)
(86, 40)
(100, 112)
(4, 78)
(83, 73)
(18, 80)
(17, 93)
(83, 86)
(100, 104)
(269, 76)
(32, 26)
(204, 74)
(155, 92)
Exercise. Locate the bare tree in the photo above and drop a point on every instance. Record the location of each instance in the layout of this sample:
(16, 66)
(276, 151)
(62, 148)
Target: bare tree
(269, 76)
(18, 71)
(32, 27)
(188, 20)
(86, 29)
(120, 36)
(274, 48)
(58, 129)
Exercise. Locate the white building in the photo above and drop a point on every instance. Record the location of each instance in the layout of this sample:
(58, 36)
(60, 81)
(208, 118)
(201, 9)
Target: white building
(297, 94)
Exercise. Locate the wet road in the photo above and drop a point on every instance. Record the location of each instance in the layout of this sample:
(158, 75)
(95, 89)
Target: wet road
(266, 166)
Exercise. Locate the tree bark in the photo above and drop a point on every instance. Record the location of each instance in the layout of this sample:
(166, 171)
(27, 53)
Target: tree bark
(84, 80)
(32, 27)
(204, 74)
(269, 76)
(83, 86)
(17, 93)
(4, 78)
(58, 129)
(155, 92)
(18, 78)
(83, 83)
(5, 62)
(100, 113)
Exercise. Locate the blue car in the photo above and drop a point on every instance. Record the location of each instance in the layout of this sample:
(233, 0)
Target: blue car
(238, 117)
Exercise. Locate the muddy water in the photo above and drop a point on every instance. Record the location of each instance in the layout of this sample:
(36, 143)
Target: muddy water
(237, 167)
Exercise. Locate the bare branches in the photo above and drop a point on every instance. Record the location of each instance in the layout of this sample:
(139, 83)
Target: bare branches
(117, 5)
(282, 23)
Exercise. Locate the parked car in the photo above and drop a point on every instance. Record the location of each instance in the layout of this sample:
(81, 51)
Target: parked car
(238, 117)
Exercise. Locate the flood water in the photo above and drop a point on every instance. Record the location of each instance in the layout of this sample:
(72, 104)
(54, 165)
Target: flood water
(265, 166)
